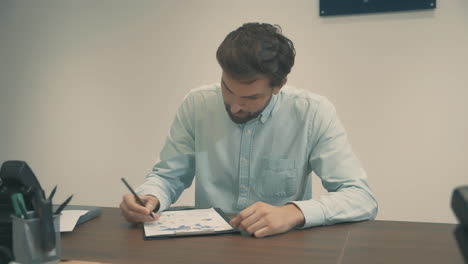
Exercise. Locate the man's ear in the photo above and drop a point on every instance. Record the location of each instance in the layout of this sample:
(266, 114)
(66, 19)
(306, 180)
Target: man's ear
(278, 88)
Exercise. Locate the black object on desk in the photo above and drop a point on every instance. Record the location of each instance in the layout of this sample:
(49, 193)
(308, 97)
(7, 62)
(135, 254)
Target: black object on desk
(15, 177)
(460, 204)
(460, 208)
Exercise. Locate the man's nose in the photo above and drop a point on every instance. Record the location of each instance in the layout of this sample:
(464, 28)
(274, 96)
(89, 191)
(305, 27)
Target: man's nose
(235, 108)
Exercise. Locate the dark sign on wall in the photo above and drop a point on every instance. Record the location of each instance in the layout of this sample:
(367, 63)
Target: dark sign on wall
(347, 7)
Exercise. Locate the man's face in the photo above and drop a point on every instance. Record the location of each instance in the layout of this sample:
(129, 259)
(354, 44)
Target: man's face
(246, 99)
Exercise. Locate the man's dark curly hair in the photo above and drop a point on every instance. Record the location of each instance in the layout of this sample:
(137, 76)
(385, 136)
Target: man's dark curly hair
(257, 49)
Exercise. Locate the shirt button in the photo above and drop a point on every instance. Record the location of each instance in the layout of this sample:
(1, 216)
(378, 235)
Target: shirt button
(249, 131)
(244, 160)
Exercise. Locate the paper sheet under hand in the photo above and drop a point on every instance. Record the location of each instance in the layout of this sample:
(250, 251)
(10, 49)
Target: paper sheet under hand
(69, 218)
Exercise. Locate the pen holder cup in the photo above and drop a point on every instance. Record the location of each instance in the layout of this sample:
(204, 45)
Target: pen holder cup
(27, 246)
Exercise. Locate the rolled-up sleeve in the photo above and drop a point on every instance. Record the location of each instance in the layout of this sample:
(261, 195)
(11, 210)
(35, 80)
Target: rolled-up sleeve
(175, 170)
(349, 197)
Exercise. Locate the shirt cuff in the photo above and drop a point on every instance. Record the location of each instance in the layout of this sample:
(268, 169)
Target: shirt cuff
(164, 202)
(313, 213)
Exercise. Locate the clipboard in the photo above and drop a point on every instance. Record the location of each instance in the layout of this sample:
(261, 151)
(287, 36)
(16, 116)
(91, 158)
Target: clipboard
(186, 223)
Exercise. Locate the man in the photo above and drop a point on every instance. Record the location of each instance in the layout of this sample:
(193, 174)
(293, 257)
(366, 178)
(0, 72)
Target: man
(253, 143)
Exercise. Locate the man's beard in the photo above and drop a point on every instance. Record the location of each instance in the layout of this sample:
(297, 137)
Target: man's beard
(250, 116)
(241, 120)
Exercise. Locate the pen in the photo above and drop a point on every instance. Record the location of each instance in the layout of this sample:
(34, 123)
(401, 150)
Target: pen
(46, 221)
(63, 205)
(19, 205)
(52, 193)
(136, 196)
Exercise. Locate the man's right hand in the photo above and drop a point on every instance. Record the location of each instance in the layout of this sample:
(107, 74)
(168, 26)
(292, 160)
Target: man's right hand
(134, 212)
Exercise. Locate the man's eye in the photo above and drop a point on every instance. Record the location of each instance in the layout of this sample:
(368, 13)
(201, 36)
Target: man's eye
(227, 89)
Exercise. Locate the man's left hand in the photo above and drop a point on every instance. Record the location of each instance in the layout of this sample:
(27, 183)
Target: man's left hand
(262, 219)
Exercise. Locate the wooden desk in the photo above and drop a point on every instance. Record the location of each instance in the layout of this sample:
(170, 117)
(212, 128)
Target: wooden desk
(110, 239)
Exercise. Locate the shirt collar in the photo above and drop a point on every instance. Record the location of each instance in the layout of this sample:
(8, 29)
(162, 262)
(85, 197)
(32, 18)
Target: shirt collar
(267, 111)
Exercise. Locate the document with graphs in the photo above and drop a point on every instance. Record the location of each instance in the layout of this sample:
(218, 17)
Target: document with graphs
(194, 222)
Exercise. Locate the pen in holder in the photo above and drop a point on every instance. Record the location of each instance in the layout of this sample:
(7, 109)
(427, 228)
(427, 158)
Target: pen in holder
(28, 240)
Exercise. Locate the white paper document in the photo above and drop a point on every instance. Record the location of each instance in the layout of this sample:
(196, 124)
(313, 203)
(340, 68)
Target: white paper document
(186, 221)
(69, 218)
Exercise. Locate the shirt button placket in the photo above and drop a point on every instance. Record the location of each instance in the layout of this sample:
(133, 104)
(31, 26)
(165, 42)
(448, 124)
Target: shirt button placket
(244, 169)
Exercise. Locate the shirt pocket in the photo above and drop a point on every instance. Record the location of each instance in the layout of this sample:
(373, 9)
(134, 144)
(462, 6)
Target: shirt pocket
(277, 178)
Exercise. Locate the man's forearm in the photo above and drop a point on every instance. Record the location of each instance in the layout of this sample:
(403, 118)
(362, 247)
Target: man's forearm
(347, 205)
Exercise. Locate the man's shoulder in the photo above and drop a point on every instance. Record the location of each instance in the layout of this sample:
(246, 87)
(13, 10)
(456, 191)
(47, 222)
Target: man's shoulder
(306, 104)
(302, 97)
(205, 91)
(202, 95)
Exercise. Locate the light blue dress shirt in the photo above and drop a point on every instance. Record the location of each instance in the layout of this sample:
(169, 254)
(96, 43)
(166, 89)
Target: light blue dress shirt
(270, 158)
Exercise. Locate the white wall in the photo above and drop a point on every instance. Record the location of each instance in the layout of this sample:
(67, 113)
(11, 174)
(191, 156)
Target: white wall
(88, 89)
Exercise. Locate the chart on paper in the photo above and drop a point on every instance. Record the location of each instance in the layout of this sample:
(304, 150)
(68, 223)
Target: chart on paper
(197, 220)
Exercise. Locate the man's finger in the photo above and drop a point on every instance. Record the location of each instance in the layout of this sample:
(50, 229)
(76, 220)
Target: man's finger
(150, 206)
(150, 202)
(256, 226)
(250, 220)
(242, 215)
(123, 206)
(263, 232)
(133, 205)
(137, 218)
